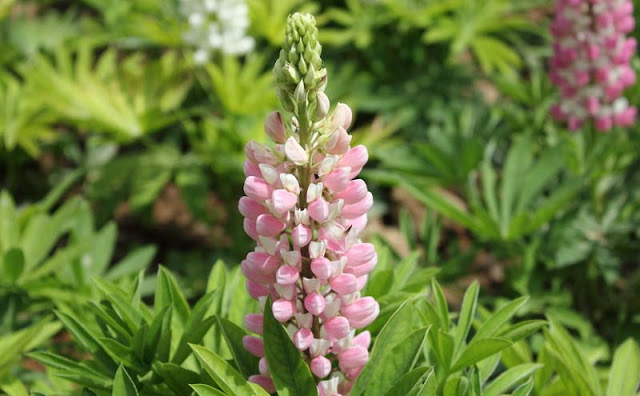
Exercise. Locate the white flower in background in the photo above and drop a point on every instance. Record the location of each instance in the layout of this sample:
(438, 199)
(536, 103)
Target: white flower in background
(217, 25)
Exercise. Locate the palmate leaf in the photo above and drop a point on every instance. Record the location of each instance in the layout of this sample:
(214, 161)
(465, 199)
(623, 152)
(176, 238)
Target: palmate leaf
(481, 26)
(124, 98)
(25, 121)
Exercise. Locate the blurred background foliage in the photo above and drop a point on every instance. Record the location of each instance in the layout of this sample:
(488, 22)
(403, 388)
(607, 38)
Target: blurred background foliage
(107, 123)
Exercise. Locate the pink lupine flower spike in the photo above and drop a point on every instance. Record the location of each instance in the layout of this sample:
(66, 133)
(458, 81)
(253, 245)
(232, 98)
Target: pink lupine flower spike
(306, 209)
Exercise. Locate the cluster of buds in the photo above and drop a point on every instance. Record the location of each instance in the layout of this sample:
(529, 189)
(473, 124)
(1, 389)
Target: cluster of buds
(217, 25)
(306, 210)
(591, 62)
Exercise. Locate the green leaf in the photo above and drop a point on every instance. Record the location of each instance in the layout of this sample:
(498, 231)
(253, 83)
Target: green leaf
(103, 248)
(524, 389)
(206, 390)
(476, 351)
(123, 384)
(120, 300)
(176, 377)
(134, 262)
(168, 293)
(217, 277)
(572, 366)
(73, 371)
(510, 379)
(438, 200)
(225, 376)
(13, 264)
(85, 335)
(400, 323)
(14, 388)
(408, 382)
(441, 305)
(467, 312)
(397, 362)
(624, 375)
(500, 317)
(247, 363)
(522, 329)
(291, 375)
(190, 337)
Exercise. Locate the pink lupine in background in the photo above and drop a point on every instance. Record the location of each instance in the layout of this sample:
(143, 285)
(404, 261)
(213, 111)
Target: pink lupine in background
(306, 210)
(591, 62)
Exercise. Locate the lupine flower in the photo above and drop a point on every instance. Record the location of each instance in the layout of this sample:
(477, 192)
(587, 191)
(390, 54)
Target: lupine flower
(217, 25)
(590, 64)
(305, 209)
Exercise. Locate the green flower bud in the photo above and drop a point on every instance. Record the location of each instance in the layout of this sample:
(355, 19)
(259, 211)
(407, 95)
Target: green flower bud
(300, 61)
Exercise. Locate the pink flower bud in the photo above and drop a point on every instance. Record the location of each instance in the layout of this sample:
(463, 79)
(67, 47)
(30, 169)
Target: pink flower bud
(355, 191)
(250, 229)
(251, 169)
(344, 284)
(592, 105)
(256, 290)
(337, 180)
(625, 118)
(257, 188)
(274, 127)
(359, 223)
(269, 173)
(328, 387)
(254, 345)
(352, 358)
(263, 367)
(603, 123)
(627, 76)
(255, 274)
(321, 268)
(301, 236)
(302, 339)
(602, 75)
(250, 209)
(295, 152)
(283, 201)
(352, 375)
(361, 312)
(283, 310)
(287, 292)
(319, 210)
(320, 366)
(360, 253)
(287, 275)
(265, 382)
(261, 264)
(269, 226)
(314, 303)
(362, 340)
(337, 327)
(342, 116)
(355, 158)
(358, 209)
(253, 322)
(338, 142)
(322, 105)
